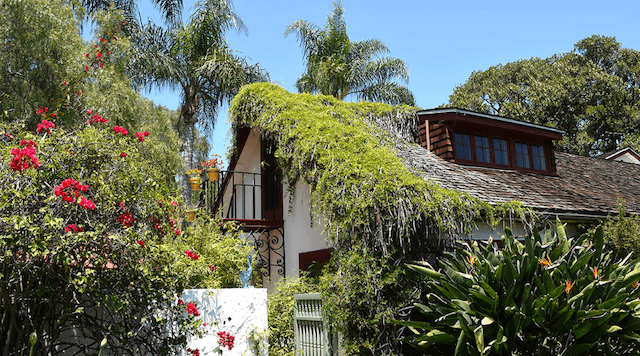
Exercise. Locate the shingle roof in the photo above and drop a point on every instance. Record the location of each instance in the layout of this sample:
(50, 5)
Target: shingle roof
(583, 185)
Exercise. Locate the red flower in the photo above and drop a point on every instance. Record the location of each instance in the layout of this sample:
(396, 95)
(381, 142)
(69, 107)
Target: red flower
(101, 65)
(46, 125)
(122, 154)
(98, 55)
(213, 268)
(23, 158)
(191, 309)
(86, 68)
(86, 55)
(74, 228)
(191, 254)
(180, 302)
(71, 195)
(141, 136)
(121, 130)
(97, 119)
(141, 243)
(225, 339)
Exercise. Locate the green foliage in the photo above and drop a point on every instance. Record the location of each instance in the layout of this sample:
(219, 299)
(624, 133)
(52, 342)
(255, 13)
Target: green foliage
(361, 297)
(280, 306)
(623, 233)
(40, 48)
(223, 255)
(591, 93)
(339, 67)
(544, 296)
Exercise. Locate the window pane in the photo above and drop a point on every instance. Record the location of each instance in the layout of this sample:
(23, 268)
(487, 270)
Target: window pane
(538, 157)
(482, 149)
(522, 155)
(500, 151)
(463, 146)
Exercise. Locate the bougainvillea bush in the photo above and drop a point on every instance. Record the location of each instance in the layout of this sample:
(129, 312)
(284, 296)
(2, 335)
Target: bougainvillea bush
(550, 295)
(82, 226)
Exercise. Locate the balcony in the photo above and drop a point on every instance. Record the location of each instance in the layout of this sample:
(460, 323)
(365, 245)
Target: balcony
(254, 201)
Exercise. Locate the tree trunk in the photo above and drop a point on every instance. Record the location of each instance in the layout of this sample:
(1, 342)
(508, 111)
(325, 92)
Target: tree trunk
(189, 114)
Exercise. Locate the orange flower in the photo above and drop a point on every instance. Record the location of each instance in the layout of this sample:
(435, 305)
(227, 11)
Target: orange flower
(546, 262)
(595, 272)
(635, 285)
(472, 259)
(568, 286)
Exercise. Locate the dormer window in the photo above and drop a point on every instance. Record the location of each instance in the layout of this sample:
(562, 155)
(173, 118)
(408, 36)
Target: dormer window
(463, 146)
(522, 155)
(475, 139)
(538, 157)
(500, 151)
(483, 154)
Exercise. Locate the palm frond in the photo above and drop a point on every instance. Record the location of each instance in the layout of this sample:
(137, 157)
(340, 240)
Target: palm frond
(390, 93)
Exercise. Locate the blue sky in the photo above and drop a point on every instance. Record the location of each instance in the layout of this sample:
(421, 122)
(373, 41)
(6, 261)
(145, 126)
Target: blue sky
(443, 42)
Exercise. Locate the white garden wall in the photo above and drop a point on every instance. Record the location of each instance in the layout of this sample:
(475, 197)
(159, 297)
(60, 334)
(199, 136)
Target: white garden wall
(247, 308)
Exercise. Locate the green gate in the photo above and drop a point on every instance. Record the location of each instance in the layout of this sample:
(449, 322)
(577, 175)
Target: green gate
(312, 333)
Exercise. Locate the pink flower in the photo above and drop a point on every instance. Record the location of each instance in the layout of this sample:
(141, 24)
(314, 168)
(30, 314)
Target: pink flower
(204, 324)
(213, 268)
(64, 82)
(89, 111)
(86, 55)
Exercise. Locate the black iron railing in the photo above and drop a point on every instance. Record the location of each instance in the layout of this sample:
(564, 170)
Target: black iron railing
(234, 195)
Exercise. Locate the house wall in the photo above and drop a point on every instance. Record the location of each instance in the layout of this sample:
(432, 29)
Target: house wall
(303, 232)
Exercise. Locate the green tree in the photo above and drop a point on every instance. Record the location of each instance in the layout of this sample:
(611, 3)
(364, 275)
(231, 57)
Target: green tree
(591, 93)
(339, 67)
(195, 59)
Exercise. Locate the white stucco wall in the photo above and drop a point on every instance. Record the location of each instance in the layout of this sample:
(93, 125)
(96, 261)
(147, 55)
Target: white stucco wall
(303, 233)
(247, 308)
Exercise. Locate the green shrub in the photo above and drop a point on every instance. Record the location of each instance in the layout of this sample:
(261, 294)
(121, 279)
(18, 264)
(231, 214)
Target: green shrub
(551, 296)
(622, 233)
(280, 305)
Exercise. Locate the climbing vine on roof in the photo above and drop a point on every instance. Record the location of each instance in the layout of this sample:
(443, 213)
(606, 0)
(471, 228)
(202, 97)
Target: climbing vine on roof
(360, 185)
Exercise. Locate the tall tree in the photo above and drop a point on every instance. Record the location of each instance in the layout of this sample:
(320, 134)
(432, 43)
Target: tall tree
(591, 93)
(195, 59)
(339, 67)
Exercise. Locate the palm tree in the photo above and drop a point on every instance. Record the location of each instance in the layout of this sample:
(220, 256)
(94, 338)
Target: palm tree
(338, 67)
(195, 59)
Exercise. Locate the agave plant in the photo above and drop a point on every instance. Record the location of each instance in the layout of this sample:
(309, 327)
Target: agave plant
(543, 296)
